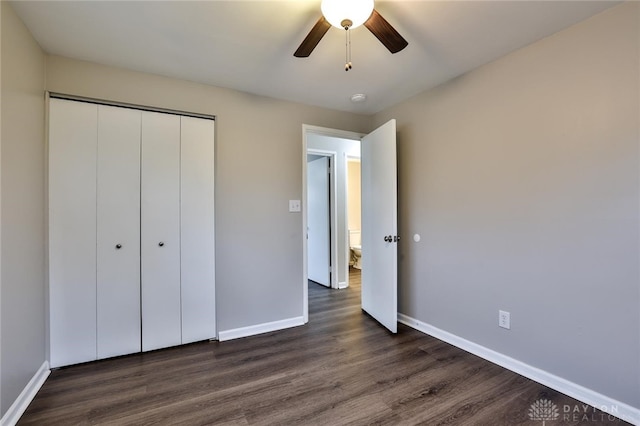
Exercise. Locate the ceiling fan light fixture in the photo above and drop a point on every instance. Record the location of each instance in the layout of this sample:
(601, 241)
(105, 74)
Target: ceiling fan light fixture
(356, 11)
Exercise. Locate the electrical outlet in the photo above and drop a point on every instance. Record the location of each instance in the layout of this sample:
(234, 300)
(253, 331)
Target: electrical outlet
(504, 319)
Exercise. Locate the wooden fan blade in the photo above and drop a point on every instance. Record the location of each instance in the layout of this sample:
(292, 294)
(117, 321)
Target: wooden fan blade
(313, 38)
(385, 32)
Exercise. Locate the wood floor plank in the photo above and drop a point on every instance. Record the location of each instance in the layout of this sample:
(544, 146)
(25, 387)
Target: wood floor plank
(340, 369)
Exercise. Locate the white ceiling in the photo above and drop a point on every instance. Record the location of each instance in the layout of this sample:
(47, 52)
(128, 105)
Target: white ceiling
(249, 45)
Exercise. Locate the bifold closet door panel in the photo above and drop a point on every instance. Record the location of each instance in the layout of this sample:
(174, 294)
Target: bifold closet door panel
(72, 231)
(118, 231)
(197, 230)
(160, 225)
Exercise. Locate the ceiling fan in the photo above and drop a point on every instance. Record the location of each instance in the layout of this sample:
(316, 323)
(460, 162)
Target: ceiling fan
(347, 15)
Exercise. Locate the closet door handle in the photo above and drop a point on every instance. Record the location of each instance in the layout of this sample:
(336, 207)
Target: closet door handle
(161, 244)
(118, 246)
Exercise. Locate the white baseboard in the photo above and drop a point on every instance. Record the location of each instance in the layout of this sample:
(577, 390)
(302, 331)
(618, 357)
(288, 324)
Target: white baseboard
(342, 285)
(619, 409)
(266, 327)
(21, 403)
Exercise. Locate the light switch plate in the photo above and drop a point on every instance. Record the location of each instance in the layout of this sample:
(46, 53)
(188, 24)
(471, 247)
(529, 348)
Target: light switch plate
(294, 206)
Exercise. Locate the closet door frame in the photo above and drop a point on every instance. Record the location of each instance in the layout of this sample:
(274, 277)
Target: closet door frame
(85, 322)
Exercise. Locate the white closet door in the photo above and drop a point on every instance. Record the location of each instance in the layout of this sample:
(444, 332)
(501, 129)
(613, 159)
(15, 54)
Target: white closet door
(197, 230)
(72, 231)
(118, 226)
(160, 215)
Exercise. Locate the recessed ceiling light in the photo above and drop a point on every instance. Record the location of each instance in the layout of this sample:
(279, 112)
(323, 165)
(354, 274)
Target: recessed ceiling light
(358, 97)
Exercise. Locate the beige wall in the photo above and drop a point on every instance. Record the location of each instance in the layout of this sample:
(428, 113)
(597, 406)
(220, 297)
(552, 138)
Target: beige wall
(522, 178)
(258, 169)
(22, 317)
(353, 202)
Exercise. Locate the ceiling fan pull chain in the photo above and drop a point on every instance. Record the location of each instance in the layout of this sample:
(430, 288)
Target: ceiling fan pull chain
(349, 36)
(346, 48)
(347, 45)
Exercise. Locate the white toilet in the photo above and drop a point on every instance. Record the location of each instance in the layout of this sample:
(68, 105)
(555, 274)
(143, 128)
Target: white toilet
(355, 247)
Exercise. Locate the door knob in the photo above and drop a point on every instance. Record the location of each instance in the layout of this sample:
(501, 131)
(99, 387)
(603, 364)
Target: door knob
(396, 238)
(160, 243)
(118, 246)
(387, 238)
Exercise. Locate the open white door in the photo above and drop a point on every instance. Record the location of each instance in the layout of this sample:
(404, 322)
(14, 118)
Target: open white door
(318, 218)
(379, 226)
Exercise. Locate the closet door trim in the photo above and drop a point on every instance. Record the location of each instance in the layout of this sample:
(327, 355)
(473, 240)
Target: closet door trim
(182, 315)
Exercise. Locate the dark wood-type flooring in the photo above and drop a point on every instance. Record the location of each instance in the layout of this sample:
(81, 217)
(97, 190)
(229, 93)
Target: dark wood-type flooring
(341, 368)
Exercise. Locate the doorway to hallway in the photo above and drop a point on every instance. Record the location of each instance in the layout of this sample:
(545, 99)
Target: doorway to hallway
(379, 242)
(331, 259)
